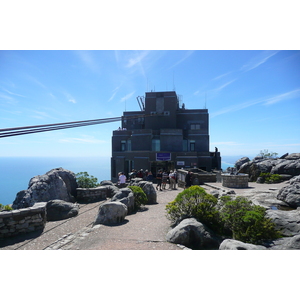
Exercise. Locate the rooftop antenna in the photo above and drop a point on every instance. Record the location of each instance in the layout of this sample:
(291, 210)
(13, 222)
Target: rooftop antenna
(173, 82)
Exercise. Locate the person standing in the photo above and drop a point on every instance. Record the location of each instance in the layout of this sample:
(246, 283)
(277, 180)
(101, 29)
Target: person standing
(122, 179)
(188, 180)
(159, 180)
(172, 180)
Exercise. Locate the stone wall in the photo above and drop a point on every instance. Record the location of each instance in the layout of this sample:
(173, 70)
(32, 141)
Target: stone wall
(235, 181)
(23, 220)
(198, 178)
(91, 194)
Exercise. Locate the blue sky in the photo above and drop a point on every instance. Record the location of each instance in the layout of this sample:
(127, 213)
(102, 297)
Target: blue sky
(253, 97)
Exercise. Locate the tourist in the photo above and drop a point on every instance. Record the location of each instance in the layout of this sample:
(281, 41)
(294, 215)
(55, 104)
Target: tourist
(172, 177)
(165, 177)
(188, 180)
(122, 179)
(149, 176)
(159, 180)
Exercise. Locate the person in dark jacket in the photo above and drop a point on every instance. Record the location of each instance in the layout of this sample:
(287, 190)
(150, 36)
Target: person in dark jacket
(188, 179)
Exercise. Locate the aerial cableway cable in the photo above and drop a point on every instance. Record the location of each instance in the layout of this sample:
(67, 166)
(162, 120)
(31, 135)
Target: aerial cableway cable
(7, 132)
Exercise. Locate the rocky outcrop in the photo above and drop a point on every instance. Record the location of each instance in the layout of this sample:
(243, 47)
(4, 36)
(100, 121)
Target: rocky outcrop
(193, 234)
(111, 213)
(230, 244)
(289, 165)
(241, 161)
(60, 210)
(288, 222)
(148, 188)
(291, 193)
(55, 184)
(291, 243)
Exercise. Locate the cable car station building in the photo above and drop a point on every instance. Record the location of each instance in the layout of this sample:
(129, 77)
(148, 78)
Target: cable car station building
(162, 135)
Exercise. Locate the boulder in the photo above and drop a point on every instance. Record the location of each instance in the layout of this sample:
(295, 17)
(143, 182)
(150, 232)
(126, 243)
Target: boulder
(60, 210)
(148, 188)
(291, 193)
(291, 243)
(287, 166)
(288, 222)
(241, 161)
(106, 182)
(293, 156)
(230, 244)
(111, 190)
(126, 197)
(111, 213)
(43, 188)
(193, 234)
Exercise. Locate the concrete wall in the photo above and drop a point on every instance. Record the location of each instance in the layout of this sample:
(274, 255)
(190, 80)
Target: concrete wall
(23, 220)
(91, 194)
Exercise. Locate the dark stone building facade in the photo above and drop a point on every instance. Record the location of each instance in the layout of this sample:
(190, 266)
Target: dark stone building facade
(162, 135)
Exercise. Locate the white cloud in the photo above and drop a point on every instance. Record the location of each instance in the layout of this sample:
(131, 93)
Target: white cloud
(137, 59)
(72, 100)
(128, 96)
(84, 140)
(11, 93)
(224, 85)
(187, 55)
(282, 97)
(258, 60)
(221, 76)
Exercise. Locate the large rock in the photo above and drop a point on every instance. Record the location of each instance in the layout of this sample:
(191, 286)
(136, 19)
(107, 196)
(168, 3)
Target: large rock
(289, 165)
(193, 234)
(291, 193)
(230, 244)
(60, 210)
(288, 243)
(241, 161)
(126, 197)
(111, 213)
(55, 184)
(148, 188)
(288, 222)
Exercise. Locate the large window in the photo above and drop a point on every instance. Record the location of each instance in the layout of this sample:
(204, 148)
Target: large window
(123, 145)
(126, 145)
(184, 145)
(155, 144)
(195, 126)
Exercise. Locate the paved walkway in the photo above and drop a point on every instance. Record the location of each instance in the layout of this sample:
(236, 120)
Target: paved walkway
(144, 230)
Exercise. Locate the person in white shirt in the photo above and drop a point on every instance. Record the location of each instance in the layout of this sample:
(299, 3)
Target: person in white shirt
(122, 178)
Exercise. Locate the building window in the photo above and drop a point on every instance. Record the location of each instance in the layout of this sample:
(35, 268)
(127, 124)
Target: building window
(123, 145)
(184, 145)
(128, 145)
(155, 144)
(195, 126)
(192, 145)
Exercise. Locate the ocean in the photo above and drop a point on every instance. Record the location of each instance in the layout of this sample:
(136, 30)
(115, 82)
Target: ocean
(16, 172)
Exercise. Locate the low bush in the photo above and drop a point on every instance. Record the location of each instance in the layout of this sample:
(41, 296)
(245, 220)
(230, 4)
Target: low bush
(84, 180)
(5, 207)
(194, 202)
(140, 198)
(238, 218)
(248, 222)
(270, 178)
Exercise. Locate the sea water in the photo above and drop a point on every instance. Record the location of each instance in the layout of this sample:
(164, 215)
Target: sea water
(16, 172)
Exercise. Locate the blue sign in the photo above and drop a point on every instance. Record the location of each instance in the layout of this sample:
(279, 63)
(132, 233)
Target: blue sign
(163, 156)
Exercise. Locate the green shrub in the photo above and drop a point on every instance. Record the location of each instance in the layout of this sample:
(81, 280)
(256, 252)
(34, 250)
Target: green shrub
(194, 202)
(248, 222)
(5, 207)
(140, 198)
(270, 178)
(84, 180)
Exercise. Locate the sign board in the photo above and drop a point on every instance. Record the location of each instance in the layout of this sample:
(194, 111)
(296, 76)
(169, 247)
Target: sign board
(163, 156)
(180, 163)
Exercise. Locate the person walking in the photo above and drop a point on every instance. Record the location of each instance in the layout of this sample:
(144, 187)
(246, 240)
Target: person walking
(122, 179)
(165, 177)
(159, 180)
